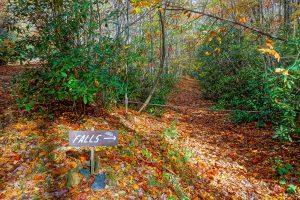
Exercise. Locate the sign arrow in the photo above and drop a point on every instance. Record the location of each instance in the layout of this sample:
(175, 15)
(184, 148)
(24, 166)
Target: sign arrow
(110, 138)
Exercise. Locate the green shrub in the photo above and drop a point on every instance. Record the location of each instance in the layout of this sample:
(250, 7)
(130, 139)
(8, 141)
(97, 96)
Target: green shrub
(235, 75)
(232, 74)
(7, 48)
(285, 94)
(80, 65)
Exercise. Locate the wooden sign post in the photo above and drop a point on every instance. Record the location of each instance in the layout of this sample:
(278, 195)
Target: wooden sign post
(93, 138)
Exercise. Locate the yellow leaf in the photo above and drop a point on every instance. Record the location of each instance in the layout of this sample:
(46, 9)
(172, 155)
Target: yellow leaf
(285, 72)
(138, 10)
(96, 82)
(135, 186)
(279, 70)
(269, 43)
(207, 53)
(217, 50)
(271, 52)
(223, 29)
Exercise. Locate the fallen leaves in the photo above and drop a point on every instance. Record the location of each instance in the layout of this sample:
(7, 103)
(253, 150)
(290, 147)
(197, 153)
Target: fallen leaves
(226, 159)
(59, 171)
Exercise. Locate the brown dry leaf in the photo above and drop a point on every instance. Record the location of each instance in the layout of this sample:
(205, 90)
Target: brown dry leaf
(43, 153)
(60, 171)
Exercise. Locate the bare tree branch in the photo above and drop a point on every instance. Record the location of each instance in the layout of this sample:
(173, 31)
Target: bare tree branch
(227, 20)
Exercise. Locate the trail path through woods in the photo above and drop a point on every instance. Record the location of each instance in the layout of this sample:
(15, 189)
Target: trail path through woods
(231, 160)
(221, 160)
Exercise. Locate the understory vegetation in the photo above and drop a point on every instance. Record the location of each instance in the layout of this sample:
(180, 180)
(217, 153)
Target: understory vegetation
(81, 64)
(181, 99)
(256, 87)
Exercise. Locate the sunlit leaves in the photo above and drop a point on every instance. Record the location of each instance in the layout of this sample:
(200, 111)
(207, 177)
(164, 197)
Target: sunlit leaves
(242, 20)
(140, 4)
(270, 50)
(282, 71)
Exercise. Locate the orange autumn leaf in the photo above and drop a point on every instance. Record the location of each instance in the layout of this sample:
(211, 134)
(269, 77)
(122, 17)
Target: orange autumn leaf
(83, 160)
(17, 157)
(135, 186)
(217, 50)
(96, 82)
(60, 171)
(36, 177)
(243, 19)
(207, 53)
(213, 34)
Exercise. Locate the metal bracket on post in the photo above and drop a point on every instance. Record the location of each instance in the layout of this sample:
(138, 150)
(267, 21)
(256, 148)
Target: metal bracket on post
(92, 157)
(92, 160)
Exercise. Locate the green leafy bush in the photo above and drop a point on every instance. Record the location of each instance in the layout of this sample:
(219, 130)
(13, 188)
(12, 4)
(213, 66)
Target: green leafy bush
(235, 75)
(285, 95)
(80, 64)
(285, 171)
(231, 73)
(77, 65)
(7, 48)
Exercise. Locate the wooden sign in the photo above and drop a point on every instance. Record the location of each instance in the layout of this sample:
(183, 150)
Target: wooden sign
(93, 138)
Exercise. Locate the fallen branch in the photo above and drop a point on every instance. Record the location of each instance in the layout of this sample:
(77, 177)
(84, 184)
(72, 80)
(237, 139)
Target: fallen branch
(200, 109)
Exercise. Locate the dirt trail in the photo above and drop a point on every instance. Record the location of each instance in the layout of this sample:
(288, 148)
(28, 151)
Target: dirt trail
(233, 160)
(227, 161)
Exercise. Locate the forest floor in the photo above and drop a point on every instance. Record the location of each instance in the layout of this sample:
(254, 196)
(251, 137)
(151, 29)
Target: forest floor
(204, 156)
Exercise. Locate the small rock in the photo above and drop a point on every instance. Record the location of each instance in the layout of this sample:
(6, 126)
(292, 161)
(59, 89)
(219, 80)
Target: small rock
(140, 192)
(59, 193)
(20, 168)
(99, 182)
(85, 172)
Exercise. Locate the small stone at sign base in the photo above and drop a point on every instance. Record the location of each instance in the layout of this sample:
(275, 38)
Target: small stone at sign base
(99, 182)
(85, 172)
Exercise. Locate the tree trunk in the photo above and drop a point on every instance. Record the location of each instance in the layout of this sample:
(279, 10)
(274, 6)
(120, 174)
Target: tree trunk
(162, 61)
(287, 15)
(127, 41)
(151, 61)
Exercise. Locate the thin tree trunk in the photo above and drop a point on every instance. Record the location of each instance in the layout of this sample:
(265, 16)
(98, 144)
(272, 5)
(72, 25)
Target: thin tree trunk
(162, 61)
(287, 15)
(127, 49)
(151, 45)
